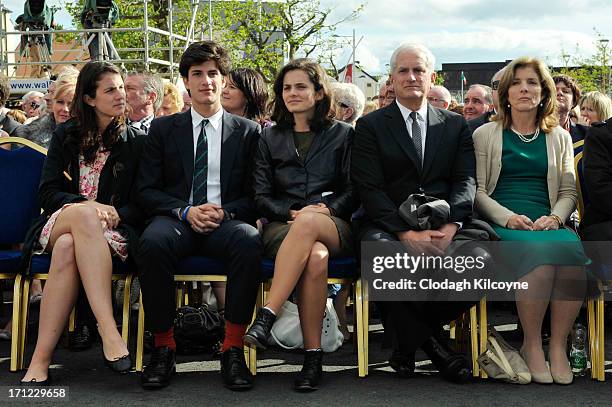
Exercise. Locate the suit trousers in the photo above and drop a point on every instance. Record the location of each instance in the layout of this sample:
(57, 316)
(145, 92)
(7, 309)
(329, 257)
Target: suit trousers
(410, 323)
(167, 240)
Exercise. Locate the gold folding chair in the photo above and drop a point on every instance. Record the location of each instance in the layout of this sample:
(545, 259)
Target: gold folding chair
(15, 317)
(595, 306)
(23, 319)
(18, 167)
(477, 329)
(361, 315)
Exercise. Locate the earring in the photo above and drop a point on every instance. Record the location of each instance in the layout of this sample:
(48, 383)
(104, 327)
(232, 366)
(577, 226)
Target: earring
(541, 104)
(508, 105)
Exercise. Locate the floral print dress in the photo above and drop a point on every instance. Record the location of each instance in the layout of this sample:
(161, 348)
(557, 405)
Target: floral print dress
(89, 176)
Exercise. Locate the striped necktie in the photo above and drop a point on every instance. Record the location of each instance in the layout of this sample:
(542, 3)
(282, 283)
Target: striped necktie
(416, 136)
(200, 167)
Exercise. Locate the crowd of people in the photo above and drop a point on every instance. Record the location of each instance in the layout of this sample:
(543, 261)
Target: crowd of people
(226, 171)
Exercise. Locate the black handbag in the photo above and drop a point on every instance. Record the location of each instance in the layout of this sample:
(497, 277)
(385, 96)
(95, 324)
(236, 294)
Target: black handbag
(197, 330)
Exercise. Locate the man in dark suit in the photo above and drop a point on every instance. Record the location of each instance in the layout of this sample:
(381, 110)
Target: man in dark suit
(405, 148)
(195, 182)
(596, 224)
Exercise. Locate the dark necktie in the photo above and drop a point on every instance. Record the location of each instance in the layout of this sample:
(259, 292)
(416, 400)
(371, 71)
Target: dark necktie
(200, 167)
(416, 136)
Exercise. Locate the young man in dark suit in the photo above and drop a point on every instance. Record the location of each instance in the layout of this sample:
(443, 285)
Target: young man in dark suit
(195, 182)
(410, 147)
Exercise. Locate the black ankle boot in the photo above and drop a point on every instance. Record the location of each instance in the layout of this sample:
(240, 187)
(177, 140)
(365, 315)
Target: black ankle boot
(258, 333)
(310, 376)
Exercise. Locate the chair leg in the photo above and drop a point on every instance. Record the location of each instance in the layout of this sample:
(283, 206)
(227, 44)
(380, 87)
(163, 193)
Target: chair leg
(601, 361)
(15, 328)
(366, 324)
(179, 295)
(251, 352)
(484, 330)
(140, 336)
(23, 321)
(359, 329)
(352, 297)
(72, 321)
(593, 338)
(474, 340)
(125, 321)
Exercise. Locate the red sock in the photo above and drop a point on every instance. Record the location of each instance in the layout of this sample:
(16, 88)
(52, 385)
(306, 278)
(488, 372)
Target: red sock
(233, 335)
(165, 339)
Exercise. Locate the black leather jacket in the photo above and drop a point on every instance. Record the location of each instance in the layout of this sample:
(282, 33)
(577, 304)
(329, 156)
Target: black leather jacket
(283, 183)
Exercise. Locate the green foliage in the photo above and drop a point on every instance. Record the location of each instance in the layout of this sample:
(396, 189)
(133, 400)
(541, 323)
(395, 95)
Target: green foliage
(592, 73)
(257, 34)
(440, 78)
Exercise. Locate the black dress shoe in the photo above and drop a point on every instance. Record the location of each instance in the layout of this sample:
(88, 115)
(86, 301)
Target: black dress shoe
(309, 377)
(81, 339)
(159, 370)
(234, 371)
(119, 365)
(453, 366)
(258, 333)
(402, 364)
(34, 383)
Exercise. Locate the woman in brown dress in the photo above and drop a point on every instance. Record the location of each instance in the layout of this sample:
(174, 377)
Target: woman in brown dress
(302, 188)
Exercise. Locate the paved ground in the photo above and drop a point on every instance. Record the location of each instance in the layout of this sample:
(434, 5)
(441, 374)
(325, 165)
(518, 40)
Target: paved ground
(198, 382)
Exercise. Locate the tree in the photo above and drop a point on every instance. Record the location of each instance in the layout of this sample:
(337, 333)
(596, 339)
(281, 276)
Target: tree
(592, 73)
(257, 34)
(441, 78)
(266, 33)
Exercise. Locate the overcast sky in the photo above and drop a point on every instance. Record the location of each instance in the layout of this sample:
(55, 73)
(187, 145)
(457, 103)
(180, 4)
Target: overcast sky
(475, 30)
(462, 30)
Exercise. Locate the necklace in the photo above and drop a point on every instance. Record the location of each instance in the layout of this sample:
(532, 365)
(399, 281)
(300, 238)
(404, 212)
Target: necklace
(526, 139)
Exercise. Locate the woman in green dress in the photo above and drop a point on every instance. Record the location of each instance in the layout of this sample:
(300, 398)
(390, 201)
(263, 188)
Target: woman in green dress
(526, 190)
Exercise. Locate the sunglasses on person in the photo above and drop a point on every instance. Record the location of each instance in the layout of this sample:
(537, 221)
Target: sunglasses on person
(495, 85)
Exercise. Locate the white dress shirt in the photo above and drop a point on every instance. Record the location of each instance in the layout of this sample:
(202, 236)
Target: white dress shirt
(421, 118)
(144, 124)
(214, 134)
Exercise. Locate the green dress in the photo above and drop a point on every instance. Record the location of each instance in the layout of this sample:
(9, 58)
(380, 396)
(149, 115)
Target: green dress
(522, 187)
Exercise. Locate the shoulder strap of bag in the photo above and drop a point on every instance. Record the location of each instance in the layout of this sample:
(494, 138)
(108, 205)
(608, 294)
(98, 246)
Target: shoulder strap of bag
(500, 358)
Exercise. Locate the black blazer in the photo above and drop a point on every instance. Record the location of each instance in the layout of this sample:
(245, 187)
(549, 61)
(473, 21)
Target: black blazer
(597, 172)
(282, 182)
(578, 132)
(166, 175)
(385, 169)
(116, 187)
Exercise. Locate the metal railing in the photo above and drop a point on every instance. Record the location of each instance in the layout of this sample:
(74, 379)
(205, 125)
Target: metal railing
(147, 55)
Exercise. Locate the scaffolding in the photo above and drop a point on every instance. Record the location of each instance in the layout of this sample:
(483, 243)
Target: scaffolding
(12, 59)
